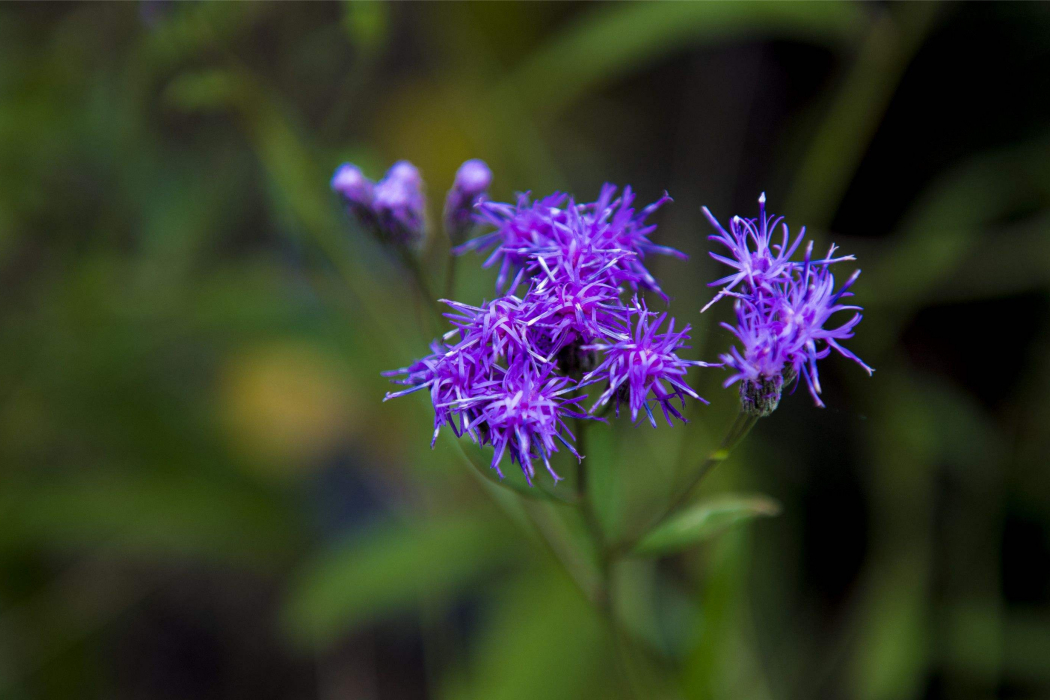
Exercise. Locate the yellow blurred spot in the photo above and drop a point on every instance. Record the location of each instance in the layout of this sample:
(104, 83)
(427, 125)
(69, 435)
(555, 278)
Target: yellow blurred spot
(286, 405)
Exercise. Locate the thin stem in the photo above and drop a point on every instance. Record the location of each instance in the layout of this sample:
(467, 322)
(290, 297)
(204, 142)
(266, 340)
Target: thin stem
(581, 447)
(412, 263)
(584, 497)
(450, 276)
(592, 587)
(738, 430)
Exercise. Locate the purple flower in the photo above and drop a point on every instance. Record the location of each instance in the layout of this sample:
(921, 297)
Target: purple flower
(755, 260)
(590, 235)
(523, 412)
(450, 374)
(646, 363)
(521, 229)
(571, 305)
(472, 182)
(512, 371)
(499, 329)
(399, 204)
(615, 226)
(356, 190)
(782, 329)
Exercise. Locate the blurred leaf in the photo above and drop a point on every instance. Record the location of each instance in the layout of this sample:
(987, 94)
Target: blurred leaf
(895, 646)
(856, 112)
(703, 521)
(366, 23)
(610, 41)
(388, 570)
(211, 89)
(149, 514)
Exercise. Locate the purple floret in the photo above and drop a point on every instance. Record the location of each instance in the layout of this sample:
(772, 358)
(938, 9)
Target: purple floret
(756, 260)
(556, 227)
(523, 412)
(646, 363)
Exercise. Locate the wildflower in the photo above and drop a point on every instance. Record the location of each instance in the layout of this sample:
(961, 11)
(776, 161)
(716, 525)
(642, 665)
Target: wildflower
(451, 375)
(399, 204)
(590, 234)
(500, 328)
(573, 305)
(521, 229)
(783, 333)
(646, 363)
(615, 226)
(762, 366)
(513, 370)
(755, 260)
(523, 413)
(356, 190)
(472, 182)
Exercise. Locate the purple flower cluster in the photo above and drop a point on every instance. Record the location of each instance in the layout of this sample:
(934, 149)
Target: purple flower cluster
(513, 371)
(560, 232)
(782, 309)
(393, 208)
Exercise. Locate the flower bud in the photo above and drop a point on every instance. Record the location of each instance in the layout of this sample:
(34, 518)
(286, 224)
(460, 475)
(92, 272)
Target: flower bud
(400, 206)
(760, 397)
(356, 190)
(472, 182)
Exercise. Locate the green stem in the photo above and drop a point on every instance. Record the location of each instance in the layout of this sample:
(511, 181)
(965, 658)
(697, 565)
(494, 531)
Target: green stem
(738, 430)
(411, 262)
(450, 276)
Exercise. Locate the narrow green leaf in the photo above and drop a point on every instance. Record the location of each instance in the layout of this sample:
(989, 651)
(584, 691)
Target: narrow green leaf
(703, 521)
(611, 41)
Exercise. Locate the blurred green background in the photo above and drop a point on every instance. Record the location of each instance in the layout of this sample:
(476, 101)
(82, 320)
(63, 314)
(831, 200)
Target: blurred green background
(201, 495)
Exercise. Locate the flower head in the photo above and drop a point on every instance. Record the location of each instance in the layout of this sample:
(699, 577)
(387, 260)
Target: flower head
(523, 412)
(356, 190)
(513, 370)
(644, 364)
(520, 229)
(783, 330)
(556, 227)
(753, 257)
(399, 204)
(472, 182)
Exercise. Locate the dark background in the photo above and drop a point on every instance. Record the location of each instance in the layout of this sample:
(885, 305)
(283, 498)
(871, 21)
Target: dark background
(201, 495)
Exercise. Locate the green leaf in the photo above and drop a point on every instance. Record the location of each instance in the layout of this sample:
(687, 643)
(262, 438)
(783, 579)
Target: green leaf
(703, 521)
(612, 41)
(388, 570)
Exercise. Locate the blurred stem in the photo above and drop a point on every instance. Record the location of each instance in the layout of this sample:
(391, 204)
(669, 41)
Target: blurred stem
(450, 276)
(411, 262)
(856, 111)
(554, 536)
(590, 517)
(738, 430)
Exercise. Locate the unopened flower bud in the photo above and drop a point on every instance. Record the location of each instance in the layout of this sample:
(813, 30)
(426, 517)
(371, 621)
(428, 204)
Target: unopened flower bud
(472, 182)
(760, 397)
(356, 190)
(399, 204)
